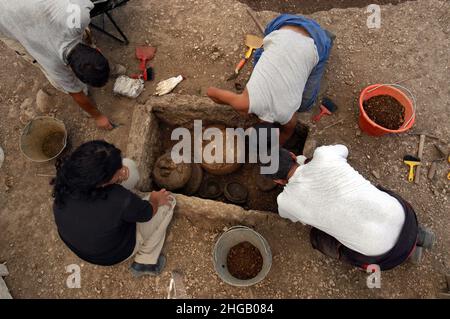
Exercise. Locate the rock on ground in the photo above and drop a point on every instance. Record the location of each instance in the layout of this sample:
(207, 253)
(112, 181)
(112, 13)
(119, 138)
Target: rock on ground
(4, 292)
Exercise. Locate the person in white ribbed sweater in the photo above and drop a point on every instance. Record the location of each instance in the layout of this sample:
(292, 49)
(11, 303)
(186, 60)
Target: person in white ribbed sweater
(352, 220)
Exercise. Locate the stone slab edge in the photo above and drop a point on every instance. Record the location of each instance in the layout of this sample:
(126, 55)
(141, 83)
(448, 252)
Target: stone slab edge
(144, 144)
(182, 110)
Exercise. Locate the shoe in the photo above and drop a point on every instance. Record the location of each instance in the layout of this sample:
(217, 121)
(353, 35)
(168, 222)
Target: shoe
(416, 256)
(425, 238)
(139, 270)
(331, 35)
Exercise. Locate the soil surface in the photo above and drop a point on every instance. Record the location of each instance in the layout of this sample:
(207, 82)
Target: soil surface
(310, 6)
(386, 111)
(53, 144)
(203, 40)
(244, 261)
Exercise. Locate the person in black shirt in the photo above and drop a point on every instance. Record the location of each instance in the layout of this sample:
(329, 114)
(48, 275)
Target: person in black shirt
(103, 222)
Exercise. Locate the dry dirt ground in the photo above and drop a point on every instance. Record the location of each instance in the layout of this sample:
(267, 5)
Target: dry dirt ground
(311, 6)
(202, 40)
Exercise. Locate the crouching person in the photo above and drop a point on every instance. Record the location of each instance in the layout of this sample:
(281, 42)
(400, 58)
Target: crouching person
(352, 220)
(100, 219)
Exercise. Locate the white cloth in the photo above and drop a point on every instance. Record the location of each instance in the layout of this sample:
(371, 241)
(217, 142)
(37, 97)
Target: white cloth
(150, 236)
(328, 194)
(276, 85)
(133, 177)
(45, 28)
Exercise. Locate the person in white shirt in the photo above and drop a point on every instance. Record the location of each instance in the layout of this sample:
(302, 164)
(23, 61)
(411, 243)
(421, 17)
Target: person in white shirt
(49, 34)
(352, 220)
(287, 75)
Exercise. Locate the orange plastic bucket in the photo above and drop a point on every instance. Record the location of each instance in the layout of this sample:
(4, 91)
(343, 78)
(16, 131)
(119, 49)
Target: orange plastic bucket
(370, 127)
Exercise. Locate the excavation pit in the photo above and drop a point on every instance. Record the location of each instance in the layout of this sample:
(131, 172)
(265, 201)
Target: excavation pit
(150, 138)
(213, 185)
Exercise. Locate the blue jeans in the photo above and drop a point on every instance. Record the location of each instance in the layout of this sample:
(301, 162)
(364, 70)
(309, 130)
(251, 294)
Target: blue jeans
(323, 41)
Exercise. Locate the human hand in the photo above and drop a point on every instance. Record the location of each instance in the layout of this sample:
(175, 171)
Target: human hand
(103, 122)
(120, 176)
(293, 156)
(160, 198)
(123, 174)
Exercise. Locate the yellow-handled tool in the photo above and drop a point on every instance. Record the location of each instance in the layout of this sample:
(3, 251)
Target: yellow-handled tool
(412, 162)
(445, 155)
(448, 160)
(252, 42)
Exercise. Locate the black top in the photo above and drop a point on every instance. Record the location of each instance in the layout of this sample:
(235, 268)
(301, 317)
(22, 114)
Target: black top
(102, 231)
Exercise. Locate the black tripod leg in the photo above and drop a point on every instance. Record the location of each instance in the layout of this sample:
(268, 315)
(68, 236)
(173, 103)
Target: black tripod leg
(124, 39)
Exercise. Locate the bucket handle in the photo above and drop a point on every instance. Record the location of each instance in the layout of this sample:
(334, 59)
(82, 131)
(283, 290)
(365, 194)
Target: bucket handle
(27, 129)
(407, 91)
(258, 234)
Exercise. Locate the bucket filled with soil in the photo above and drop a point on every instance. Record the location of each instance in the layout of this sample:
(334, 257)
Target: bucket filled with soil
(242, 257)
(43, 139)
(385, 109)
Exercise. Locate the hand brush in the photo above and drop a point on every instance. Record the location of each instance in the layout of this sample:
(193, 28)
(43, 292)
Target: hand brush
(326, 108)
(412, 162)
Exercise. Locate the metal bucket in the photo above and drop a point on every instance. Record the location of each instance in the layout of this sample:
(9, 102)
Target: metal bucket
(232, 237)
(37, 133)
(2, 157)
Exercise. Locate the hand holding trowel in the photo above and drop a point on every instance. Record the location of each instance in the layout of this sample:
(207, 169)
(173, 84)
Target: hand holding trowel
(252, 42)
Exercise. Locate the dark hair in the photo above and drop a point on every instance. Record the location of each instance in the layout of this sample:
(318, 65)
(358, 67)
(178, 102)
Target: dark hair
(285, 163)
(88, 167)
(89, 65)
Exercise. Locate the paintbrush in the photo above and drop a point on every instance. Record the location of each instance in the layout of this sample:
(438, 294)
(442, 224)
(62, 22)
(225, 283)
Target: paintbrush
(326, 108)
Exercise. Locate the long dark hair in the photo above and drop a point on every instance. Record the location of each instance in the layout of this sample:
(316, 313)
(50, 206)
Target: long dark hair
(82, 173)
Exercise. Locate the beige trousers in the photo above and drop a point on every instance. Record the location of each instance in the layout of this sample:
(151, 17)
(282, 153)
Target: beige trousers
(150, 236)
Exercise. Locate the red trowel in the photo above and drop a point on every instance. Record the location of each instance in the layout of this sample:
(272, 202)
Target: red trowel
(326, 108)
(145, 54)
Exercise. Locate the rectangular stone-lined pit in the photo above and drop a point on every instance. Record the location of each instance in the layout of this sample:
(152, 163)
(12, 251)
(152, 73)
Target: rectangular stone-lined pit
(152, 123)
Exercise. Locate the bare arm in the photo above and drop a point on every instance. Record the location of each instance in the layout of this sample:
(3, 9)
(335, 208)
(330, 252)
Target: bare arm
(86, 104)
(239, 102)
(287, 130)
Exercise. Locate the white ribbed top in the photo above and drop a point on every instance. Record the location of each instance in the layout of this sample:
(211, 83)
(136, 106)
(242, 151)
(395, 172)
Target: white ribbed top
(276, 85)
(328, 194)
